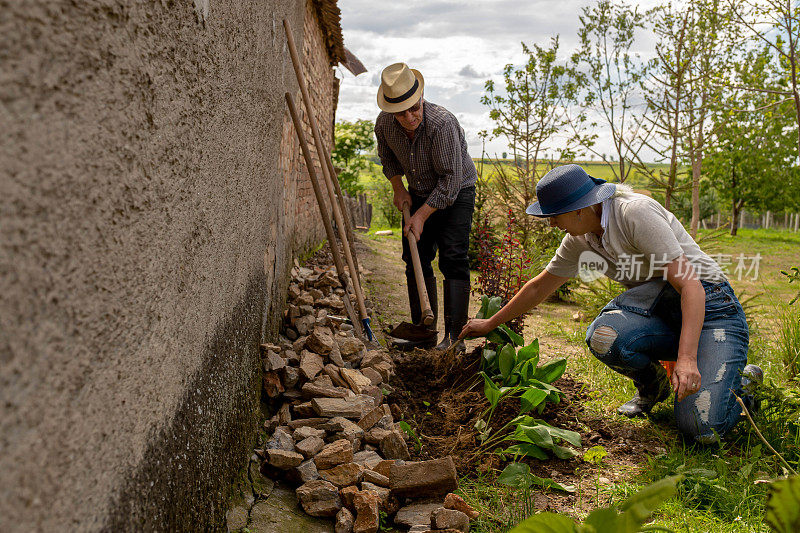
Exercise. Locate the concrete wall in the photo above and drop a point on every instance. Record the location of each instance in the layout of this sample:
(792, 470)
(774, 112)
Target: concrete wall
(149, 215)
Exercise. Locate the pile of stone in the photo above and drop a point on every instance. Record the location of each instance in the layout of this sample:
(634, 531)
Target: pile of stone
(333, 436)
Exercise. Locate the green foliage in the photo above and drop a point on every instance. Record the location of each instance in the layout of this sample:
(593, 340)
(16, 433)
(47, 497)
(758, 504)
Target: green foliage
(381, 196)
(783, 505)
(518, 476)
(353, 141)
(408, 430)
(793, 276)
(628, 517)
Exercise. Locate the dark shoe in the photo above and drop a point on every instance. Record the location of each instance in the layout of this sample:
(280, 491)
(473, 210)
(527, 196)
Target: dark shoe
(652, 387)
(456, 313)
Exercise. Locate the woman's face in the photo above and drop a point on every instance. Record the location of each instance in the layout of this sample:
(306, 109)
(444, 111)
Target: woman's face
(571, 222)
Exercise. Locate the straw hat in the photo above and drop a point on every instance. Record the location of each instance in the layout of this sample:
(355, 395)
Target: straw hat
(401, 87)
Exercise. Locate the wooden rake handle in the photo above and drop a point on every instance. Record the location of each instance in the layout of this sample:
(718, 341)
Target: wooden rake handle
(424, 302)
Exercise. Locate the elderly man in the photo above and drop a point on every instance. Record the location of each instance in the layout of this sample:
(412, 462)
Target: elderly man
(424, 142)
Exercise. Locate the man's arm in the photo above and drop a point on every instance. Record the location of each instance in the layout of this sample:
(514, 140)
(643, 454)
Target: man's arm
(446, 161)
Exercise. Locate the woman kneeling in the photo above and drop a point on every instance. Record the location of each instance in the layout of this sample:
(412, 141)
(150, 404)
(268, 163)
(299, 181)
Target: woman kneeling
(678, 305)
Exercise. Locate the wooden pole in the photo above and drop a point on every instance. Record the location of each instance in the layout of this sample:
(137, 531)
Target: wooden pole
(424, 303)
(328, 172)
(337, 258)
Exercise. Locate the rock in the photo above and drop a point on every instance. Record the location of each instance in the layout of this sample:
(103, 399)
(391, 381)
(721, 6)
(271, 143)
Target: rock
(396, 412)
(304, 299)
(386, 370)
(307, 471)
(304, 432)
(357, 381)
(368, 459)
(416, 514)
(292, 395)
(316, 294)
(291, 375)
(375, 393)
(386, 422)
(291, 333)
(310, 364)
(347, 495)
(273, 362)
(344, 521)
(336, 356)
(420, 528)
(367, 506)
(343, 475)
(349, 345)
(373, 375)
(272, 384)
(319, 342)
(334, 454)
(297, 345)
(312, 390)
(373, 357)
(291, 357)
(283, 459)
(371, 476)
(389, 503)
(284, 416)
(327, 279)
(305, 324)
(304, 410)
(376, 435)
(393, 446)
(347, 407)
(262, 486)
(456, 502)
(310, 446)
(281, 440)
(332, 371)
(306, 310)
(236, 518)
(294, 291)
(319, 498)
(423, 478)
(443, 518)
(307, 422)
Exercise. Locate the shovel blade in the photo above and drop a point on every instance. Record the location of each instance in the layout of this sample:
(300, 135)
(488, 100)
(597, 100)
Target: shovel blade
(412, 332)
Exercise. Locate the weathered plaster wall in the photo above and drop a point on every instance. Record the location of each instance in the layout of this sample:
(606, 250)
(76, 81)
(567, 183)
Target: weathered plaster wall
(147, 227)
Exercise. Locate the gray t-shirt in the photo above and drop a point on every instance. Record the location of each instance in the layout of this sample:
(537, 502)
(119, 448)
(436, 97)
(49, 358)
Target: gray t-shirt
(640, 239)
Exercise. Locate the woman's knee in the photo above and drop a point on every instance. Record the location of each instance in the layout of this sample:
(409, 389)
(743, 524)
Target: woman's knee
(704, 420)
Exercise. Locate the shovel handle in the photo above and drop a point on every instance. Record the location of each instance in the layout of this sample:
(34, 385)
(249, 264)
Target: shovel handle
(424, 302)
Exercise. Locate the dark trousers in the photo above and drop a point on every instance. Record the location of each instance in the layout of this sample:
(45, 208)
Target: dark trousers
(446, 230)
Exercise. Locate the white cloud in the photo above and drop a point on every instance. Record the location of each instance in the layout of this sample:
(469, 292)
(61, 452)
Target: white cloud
(457, 45)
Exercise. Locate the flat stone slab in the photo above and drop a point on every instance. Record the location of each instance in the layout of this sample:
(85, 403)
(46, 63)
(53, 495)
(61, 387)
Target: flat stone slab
(423, 478)
(346, 407)
(281, 513)
(416, 514)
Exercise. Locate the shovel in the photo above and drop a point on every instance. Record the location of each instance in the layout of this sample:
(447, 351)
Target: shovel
(406, 330)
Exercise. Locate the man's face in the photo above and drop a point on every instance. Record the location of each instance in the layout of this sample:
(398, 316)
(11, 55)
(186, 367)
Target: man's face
(411, 118)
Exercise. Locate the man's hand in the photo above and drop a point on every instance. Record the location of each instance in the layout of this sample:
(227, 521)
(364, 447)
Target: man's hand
(401, 195)
(476, 327)
(414, 224)
(685, 377)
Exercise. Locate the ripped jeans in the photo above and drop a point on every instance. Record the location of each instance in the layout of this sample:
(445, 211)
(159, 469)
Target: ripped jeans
(643, 325)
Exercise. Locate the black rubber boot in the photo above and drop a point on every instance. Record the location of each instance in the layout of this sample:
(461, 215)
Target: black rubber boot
(652, 385)
(456, 312)
(416, 314)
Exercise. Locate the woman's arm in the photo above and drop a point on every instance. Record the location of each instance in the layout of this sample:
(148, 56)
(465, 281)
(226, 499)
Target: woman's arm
(530, 295)
(681, 275)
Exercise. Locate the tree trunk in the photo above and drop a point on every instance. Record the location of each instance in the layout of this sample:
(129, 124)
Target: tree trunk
(734, 217)
(741, 219)
(796, 222)
(696, 167)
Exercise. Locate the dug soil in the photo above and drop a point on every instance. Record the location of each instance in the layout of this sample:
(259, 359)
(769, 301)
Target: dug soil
(442, 400)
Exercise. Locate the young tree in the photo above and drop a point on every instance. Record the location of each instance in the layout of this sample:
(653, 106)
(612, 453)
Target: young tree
(530, 114)
(612, 92)
(354, 140)
(751, 151)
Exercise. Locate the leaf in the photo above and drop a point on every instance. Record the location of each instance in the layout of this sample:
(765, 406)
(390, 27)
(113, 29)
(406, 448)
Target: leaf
(595, 455)
(604, 519)
(489, 355)
(546, 523)
(538, 435)
(506, 360)
(512, 335)
(639, 507)
(563, 453)
(515, 475)
(572, 437)
(551, 371)
(526, 449)
(532, 398)
(783, 509)
(529, 353)
(490, 390)
(550, 484)
(489, 306)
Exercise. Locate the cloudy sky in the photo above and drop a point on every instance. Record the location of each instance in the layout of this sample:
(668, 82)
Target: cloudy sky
(456, 44)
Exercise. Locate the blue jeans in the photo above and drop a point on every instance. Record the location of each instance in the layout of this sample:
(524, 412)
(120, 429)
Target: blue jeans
(643, 325)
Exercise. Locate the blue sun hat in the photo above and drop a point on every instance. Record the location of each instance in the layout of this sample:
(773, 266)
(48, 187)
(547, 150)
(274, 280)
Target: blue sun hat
(568, 188)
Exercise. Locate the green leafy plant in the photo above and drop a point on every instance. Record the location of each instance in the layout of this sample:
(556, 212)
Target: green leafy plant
(783, 505)
(408, 430)
(627, 517)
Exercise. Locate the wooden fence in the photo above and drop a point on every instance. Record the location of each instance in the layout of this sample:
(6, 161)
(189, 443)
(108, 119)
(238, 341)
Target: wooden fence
(359, 210)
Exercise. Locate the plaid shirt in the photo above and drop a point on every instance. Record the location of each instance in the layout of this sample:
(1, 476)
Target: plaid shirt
(436, 163)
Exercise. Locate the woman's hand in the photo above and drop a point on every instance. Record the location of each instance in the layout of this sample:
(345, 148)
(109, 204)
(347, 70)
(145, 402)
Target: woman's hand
(685, 377)
(476, 327)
